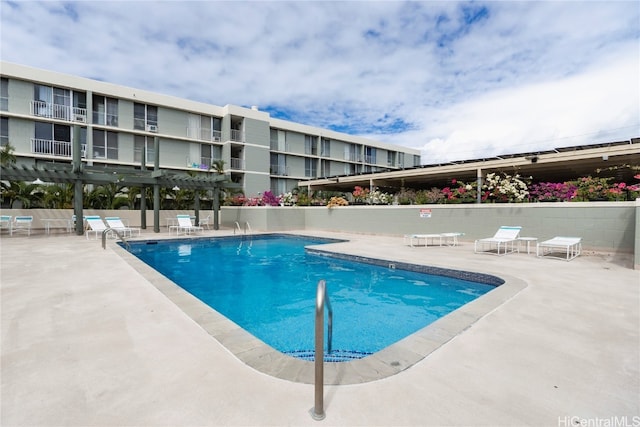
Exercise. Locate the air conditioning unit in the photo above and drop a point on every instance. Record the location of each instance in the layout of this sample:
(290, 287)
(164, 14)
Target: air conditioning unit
(152, 128)
(80, 118)
(216, 139)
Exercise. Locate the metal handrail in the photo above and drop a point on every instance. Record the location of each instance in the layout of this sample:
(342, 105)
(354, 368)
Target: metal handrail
(322, 298)
(247, 226)
(117, 233)
(237, 227)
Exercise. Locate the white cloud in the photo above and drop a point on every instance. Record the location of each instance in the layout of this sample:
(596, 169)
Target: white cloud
(456, 79)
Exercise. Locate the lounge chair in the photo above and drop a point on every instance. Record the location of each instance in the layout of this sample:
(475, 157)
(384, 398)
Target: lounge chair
(446, 239)
(206, 222)
(115, 223)
(5, 223)
(185, 225)
(96, 226)
(21, 224)
(566, 248)
(414, 239)
(503, 242)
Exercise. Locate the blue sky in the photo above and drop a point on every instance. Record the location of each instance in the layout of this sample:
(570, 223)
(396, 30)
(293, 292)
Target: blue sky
(457, 80)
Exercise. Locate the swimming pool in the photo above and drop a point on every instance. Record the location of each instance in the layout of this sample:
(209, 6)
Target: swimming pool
(267, 285)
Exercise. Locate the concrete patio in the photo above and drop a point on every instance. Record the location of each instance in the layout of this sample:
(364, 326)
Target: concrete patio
(87, 340)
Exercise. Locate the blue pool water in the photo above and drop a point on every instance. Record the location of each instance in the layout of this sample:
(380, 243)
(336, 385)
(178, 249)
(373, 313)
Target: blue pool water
(267, 285)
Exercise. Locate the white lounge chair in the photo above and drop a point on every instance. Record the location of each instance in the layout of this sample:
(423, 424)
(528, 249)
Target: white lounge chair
(96, 226)
(566, 248)
(185, 225)
(5, 223)
(503, 242)
(206, 222)
(21, 224)
(115, 223)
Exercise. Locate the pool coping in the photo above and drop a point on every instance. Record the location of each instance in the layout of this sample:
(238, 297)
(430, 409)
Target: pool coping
(385, 363)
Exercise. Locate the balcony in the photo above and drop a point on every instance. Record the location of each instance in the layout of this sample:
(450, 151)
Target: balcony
(352, 157)
(204, 134)
(279, 170)
(59, 112)
(237, 164)
(279, 146)
(55, 148)
(236, 135)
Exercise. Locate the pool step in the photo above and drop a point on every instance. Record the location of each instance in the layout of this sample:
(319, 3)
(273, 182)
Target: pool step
(334, 356)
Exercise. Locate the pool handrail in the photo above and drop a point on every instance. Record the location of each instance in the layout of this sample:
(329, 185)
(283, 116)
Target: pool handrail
(317, 413)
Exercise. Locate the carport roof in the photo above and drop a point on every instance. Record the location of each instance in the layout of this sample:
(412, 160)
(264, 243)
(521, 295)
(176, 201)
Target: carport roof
(612, 159)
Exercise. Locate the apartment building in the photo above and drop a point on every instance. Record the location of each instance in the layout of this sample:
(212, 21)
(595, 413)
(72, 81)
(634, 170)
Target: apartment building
(43, 112)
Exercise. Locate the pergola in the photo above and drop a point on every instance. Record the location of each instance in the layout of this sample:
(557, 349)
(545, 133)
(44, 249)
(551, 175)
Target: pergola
(80, 174)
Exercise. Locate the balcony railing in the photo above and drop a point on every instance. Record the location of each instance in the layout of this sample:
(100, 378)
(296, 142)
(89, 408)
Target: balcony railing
(237, 164)
(55, 148)
(204, 134)
(236, 135)
(203, 163)
(57, 111)
(280, 146)
(352, 157)
(279, 170)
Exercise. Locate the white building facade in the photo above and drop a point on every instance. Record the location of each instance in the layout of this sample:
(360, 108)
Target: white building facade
(41, 112)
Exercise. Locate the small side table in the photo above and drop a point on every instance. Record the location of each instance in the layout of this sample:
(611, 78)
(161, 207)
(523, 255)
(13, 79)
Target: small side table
(528, 240)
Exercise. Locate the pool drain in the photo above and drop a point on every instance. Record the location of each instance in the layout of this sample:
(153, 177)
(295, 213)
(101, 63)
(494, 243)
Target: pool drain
(334, 356)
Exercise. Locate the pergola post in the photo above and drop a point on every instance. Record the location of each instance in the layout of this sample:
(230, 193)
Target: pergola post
(479, 185)
(76, 168)
(143, 194)
(216, 207)
(156, 186)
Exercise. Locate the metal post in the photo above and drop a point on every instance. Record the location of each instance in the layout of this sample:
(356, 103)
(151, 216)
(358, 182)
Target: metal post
(143, 193)
(76, 163)
(317, 413)
(479, 186)
(216, 208)
(156, 186)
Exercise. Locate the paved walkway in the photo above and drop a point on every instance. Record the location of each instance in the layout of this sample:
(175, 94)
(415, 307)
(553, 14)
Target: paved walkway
(89, 341)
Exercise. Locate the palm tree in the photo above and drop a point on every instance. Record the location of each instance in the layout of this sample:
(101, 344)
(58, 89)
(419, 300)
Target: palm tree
(6, 155)
(58, 196)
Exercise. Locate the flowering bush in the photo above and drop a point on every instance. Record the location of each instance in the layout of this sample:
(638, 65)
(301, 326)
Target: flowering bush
(590, 188)
(552, 191)
(360, 194)
(505, 188)
(288, 199)
(375, 197)
(270, 199)
(337, 201)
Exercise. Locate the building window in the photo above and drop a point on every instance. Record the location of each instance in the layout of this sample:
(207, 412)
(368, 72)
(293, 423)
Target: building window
(209, 154)
(400, 160)
(4, 94)
(105, 145)
(105, 110)
(391, 158)
(4, 131)
(369, 155)
(143, 144)
(59, 103)
(352, 153)
(325, 169)
(52, 139)
(325, 147)
(145, 117)
(278, 165)
(278, 185)
(310, 168)
(310, 145)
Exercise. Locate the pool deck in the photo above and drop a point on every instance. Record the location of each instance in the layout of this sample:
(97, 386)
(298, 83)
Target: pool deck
(89, 340)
